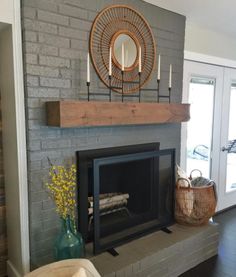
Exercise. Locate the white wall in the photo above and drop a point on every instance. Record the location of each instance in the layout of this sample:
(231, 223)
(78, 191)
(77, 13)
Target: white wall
(14, 142)
(6, 11)
(10, 146)
(208, 42)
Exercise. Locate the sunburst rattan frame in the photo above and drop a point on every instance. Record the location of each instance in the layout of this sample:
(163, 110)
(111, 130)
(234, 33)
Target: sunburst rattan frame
(110, 22)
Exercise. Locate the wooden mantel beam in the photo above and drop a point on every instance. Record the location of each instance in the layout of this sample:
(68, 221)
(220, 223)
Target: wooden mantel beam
(78, 113)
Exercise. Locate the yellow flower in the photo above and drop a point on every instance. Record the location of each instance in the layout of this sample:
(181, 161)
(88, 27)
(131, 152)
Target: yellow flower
(61, 186)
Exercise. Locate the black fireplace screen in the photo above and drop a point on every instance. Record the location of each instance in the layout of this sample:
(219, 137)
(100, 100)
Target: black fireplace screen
(127, 196)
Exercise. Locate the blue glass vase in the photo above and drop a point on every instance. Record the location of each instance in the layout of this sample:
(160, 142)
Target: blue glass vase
(69, 244)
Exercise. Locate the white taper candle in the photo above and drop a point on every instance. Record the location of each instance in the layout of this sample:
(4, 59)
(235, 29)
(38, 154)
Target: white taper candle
(122, 57)
(110, 64)
(88, 68)
(126, 58)
(140, 60)
(159, 68)
(170, 76)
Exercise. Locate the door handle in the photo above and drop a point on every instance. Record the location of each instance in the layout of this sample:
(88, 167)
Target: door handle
(224, 148)
(230, 147)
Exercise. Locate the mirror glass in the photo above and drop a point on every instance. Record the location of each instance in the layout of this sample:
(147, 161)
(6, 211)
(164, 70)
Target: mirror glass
(130, 50)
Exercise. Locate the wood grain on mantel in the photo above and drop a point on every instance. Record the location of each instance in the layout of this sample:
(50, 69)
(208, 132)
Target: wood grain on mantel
(78, 113)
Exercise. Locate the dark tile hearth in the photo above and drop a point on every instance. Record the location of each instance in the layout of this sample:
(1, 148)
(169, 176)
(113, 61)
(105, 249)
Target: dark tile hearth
(223, 265)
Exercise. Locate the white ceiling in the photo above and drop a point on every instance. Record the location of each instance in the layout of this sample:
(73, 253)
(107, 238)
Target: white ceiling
(217, 15)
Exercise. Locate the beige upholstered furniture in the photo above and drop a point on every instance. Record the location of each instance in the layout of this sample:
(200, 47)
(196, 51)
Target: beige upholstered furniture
(66, 268)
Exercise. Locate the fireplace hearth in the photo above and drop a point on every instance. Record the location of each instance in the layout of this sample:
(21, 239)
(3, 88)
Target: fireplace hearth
(124, 192)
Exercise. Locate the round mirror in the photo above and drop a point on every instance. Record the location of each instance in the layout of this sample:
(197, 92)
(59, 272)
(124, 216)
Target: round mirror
(130, 50)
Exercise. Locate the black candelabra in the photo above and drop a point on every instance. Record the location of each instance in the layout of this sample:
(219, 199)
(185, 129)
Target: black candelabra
(88, 86)
(123, 95)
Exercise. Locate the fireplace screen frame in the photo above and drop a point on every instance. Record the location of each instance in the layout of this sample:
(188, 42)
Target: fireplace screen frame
(84, 159)
(97, 163)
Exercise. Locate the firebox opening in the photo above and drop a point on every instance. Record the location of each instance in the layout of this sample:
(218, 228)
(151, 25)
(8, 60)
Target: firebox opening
(127, 193)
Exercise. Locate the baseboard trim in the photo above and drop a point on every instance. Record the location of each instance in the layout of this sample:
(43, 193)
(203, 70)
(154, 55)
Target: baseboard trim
(225, 210)
(11, 270)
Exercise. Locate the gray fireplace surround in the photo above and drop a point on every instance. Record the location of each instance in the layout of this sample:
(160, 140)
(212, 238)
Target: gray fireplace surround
(55, 46)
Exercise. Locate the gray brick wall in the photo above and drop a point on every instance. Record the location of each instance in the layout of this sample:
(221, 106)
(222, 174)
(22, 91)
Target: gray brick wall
(55, 43)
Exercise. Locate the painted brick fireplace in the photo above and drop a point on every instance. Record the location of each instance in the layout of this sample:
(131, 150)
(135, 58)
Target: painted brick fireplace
(55, 38)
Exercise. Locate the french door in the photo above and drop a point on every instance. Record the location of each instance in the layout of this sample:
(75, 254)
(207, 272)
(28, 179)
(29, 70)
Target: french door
(208, 138)
(227, 172)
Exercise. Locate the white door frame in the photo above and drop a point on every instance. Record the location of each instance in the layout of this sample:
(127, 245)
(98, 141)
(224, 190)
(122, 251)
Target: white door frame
(211, 60)
(228, 198)
(213, 72)
(21, 135)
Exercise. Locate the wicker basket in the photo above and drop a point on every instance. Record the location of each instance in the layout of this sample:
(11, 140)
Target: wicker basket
(191, 174)
(195, 205)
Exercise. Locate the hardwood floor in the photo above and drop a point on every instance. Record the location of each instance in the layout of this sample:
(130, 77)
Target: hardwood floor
(223, 265)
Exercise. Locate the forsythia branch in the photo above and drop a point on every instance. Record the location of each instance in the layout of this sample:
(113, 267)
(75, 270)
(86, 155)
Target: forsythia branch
(61, 186)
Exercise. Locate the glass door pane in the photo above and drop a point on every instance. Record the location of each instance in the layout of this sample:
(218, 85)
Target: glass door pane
(231, 156)
(199, 128)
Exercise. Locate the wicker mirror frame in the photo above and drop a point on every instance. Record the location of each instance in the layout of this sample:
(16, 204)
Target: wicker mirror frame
(107, 26)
